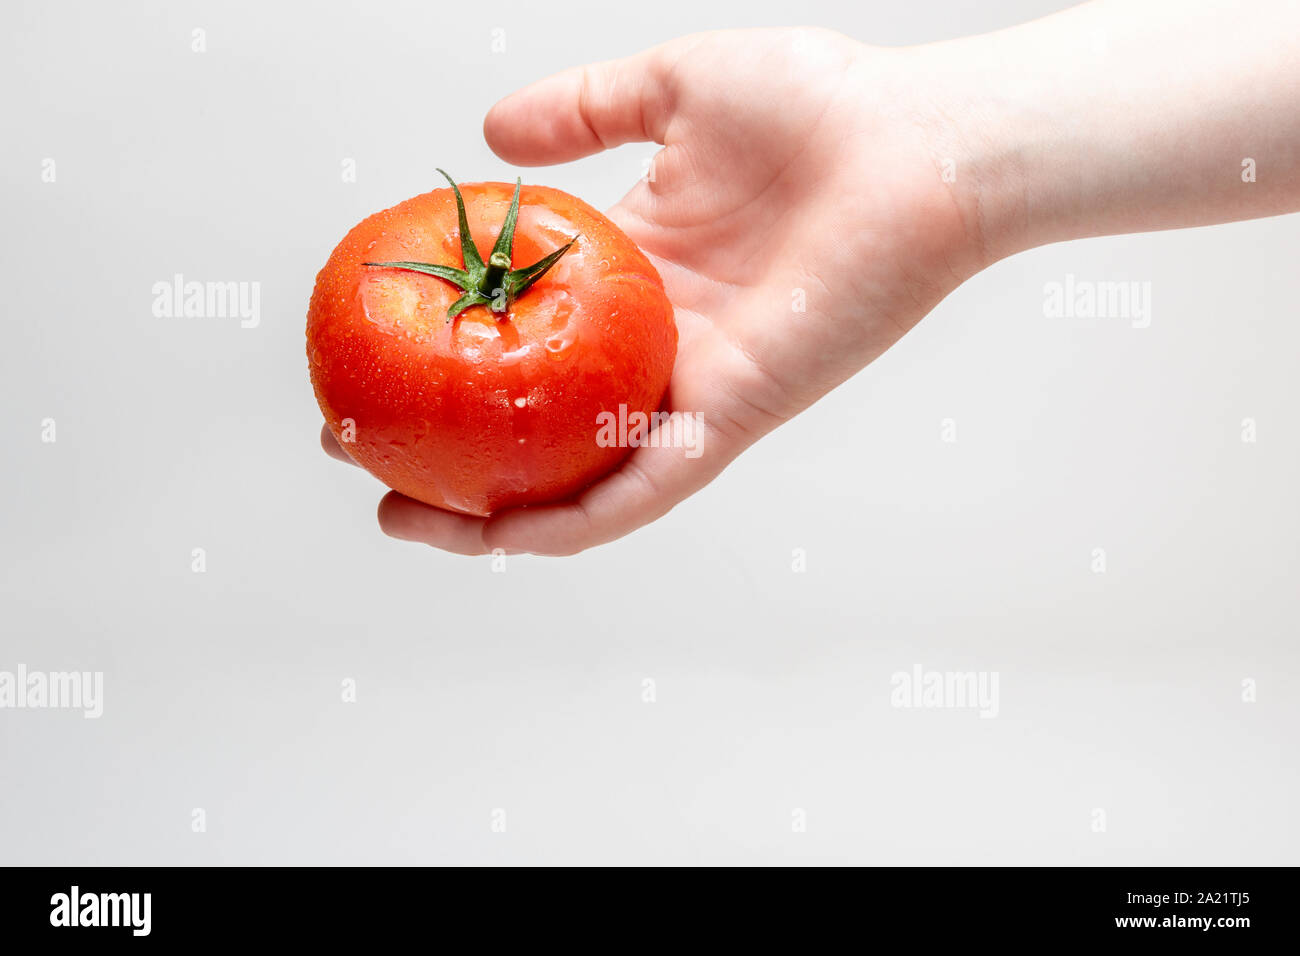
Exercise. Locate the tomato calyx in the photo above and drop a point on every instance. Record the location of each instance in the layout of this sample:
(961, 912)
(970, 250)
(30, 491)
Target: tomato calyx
(492, 283)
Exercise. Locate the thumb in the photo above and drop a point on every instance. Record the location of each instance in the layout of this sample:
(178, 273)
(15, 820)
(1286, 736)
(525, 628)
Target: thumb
(583, 111)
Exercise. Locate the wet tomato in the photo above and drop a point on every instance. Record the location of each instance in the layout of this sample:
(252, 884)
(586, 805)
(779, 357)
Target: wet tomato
(469, 373)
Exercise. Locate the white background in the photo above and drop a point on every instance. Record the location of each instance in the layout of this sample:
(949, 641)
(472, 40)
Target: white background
(523, 690)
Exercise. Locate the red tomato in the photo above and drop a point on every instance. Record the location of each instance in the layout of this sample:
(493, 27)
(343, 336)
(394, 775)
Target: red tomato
(489, 409)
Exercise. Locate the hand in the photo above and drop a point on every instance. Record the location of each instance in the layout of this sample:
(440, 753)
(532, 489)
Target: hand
(801, 164)
(799, 222)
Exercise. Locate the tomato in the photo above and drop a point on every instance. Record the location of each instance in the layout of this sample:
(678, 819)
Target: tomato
(480, 400)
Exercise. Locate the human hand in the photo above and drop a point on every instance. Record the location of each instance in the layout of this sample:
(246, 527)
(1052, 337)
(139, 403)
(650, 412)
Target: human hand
(800, 226)
(801, 167)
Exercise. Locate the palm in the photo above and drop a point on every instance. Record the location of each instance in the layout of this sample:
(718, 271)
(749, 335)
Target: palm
(783, 261)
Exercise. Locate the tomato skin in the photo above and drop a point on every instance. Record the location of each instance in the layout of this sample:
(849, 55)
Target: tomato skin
(488, 411)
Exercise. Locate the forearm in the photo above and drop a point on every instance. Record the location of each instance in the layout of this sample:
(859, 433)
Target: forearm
(1123, 116)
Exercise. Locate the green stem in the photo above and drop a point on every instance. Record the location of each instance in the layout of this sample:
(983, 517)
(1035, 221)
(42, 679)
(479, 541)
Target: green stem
(493, 283)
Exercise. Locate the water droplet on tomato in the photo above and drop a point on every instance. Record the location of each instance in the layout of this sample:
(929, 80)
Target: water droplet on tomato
(561, 306)
(559, 345)
(515, 356)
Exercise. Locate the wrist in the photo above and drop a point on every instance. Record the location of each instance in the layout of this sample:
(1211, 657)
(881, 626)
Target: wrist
(1074, 126)
(974, 136)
